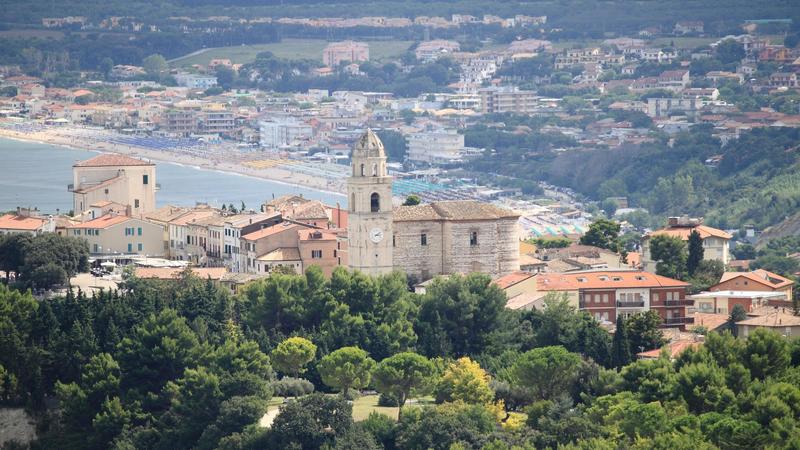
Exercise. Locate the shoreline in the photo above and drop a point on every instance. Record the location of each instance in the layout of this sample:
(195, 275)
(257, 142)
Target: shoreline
(272, 174)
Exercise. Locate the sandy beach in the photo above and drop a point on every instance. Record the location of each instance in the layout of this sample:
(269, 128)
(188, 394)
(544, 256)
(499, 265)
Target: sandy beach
(217, 158)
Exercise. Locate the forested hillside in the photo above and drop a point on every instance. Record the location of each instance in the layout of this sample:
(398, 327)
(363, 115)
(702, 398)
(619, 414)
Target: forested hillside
(184, 365)
(757, 181)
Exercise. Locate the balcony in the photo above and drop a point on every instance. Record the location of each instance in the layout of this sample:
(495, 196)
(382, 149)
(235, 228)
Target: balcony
(70, 187)
(630, 303)
(678, 321)
(158, 187)
(681, 302)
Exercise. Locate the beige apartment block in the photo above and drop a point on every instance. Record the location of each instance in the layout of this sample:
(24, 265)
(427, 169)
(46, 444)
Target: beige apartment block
(114, 178)
(118, 234)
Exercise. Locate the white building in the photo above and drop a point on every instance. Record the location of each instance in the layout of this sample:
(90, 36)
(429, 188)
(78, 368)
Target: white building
(195, 81)
(435, 147)
(283, 132)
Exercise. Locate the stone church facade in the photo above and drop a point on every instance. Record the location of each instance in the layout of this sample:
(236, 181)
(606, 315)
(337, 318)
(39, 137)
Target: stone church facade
(424, 240)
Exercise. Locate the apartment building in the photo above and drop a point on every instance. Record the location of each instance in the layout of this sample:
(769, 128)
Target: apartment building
(351, 51)
(507, 99)
(119, 234)
(236, 226)
(757, 280)
(428, 51)
(715, 242)
(290, 245)
(608, 294)
(282, 132)
(435, 146)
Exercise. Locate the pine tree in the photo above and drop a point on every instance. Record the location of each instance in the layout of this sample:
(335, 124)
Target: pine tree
(621, 346)
(695, 252)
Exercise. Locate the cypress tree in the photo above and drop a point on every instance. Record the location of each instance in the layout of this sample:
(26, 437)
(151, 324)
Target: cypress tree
(695, 252)
(621, 346)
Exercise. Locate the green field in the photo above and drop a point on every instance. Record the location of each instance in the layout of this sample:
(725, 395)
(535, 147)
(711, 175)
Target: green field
(289, 49)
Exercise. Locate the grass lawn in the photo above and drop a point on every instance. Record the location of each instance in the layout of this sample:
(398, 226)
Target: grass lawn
(289, 49)
(364, 405)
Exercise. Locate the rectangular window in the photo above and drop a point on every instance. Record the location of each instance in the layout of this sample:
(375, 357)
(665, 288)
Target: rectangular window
(655, 296)
(669, 295)
(96, 249)
(140, 246)
(139, 230)
(130, 248)
(316, 254)
(605, 298)
(423, 239)
(145, 179)
(473, 238)
(136, 203)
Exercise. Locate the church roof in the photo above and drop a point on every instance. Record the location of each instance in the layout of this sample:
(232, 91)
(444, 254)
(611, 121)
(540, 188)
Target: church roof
(452, 210)
(369, 145)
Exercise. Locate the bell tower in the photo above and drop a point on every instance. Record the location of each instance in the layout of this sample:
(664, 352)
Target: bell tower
(369, 194)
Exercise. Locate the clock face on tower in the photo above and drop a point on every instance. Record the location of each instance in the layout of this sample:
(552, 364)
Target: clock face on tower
(376, 235)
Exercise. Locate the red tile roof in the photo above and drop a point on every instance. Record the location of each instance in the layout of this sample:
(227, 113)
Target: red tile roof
(268, 231)
(761, 276)
(111, 160)
(684, 232)
(511, 279)
(15, 222)
(606, 279)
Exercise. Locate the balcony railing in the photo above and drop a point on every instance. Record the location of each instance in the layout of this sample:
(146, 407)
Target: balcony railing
(630, 303)
(677, 321)
(681, 302)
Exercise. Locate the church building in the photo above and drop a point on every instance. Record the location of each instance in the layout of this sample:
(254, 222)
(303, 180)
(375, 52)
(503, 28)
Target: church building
(424, 240)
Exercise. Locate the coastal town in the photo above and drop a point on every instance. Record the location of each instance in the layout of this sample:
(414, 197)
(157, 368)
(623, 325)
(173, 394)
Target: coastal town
(502, 231)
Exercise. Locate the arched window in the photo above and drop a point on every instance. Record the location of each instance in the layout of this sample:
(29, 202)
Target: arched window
(362, 170)
(375, 202)
(375, 170)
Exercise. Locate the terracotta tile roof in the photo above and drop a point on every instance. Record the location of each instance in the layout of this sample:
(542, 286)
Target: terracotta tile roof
(709, 320)
(192, 216)
(83, 189)
(166, 213)
(170, 273)
(269, 231)
(684, 232)
(761, 276)
(281, 254)
(452, 210)
(525, 299)
(511, 279)
(15, 222)
(605, 279)
(111, 160)
(102, 222)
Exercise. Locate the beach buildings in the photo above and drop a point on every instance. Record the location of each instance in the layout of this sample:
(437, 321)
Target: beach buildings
(114, 178)
(351, 51)
(281, 132)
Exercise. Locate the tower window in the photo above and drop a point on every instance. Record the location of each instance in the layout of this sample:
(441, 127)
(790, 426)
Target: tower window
(375, 202)
(145, 179)
(374, 170)
(473, 238)
(352, 202)
(423, 239)
(362, 170)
